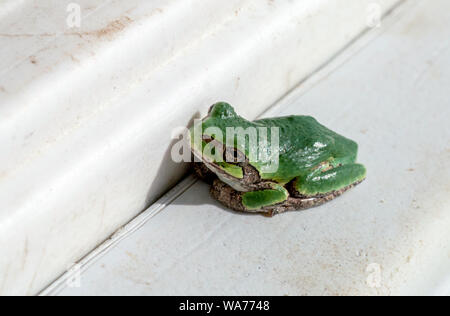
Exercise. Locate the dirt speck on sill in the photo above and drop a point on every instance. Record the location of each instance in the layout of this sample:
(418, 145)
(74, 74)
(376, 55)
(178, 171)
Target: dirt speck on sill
(112, 28)
(33, 60)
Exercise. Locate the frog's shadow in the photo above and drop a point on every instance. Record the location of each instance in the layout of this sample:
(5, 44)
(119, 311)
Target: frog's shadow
(169, 172)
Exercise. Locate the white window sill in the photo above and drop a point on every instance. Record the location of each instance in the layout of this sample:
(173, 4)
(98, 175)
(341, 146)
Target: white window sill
(86, 115)
(389, 236)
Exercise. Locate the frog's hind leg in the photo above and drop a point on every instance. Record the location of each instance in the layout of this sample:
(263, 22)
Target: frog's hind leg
(324, 182)
(305, 193)
(267, 202)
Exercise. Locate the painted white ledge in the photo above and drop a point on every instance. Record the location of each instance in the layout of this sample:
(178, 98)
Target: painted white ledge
(388, 236)
(86, 114)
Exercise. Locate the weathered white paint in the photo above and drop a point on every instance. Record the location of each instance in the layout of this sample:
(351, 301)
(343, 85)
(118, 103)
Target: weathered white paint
(86, 114)
(388, 236)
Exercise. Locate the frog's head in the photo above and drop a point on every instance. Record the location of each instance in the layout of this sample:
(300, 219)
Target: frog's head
(214, 126)
(208, 143)
(221, 110)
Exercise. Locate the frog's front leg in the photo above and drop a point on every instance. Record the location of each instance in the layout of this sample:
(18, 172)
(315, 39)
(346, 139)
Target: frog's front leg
(325, 182)
(270, 199)
(259, 199)
(203, 173)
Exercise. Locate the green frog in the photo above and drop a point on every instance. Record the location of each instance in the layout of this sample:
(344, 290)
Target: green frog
(272, 165)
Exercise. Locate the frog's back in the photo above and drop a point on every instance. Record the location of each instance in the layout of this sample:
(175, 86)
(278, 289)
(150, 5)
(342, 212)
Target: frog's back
(304, 144)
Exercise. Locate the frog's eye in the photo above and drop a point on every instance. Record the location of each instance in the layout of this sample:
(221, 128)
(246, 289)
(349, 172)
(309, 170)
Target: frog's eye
(232, 155)
(207, 138)
(215, 146)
